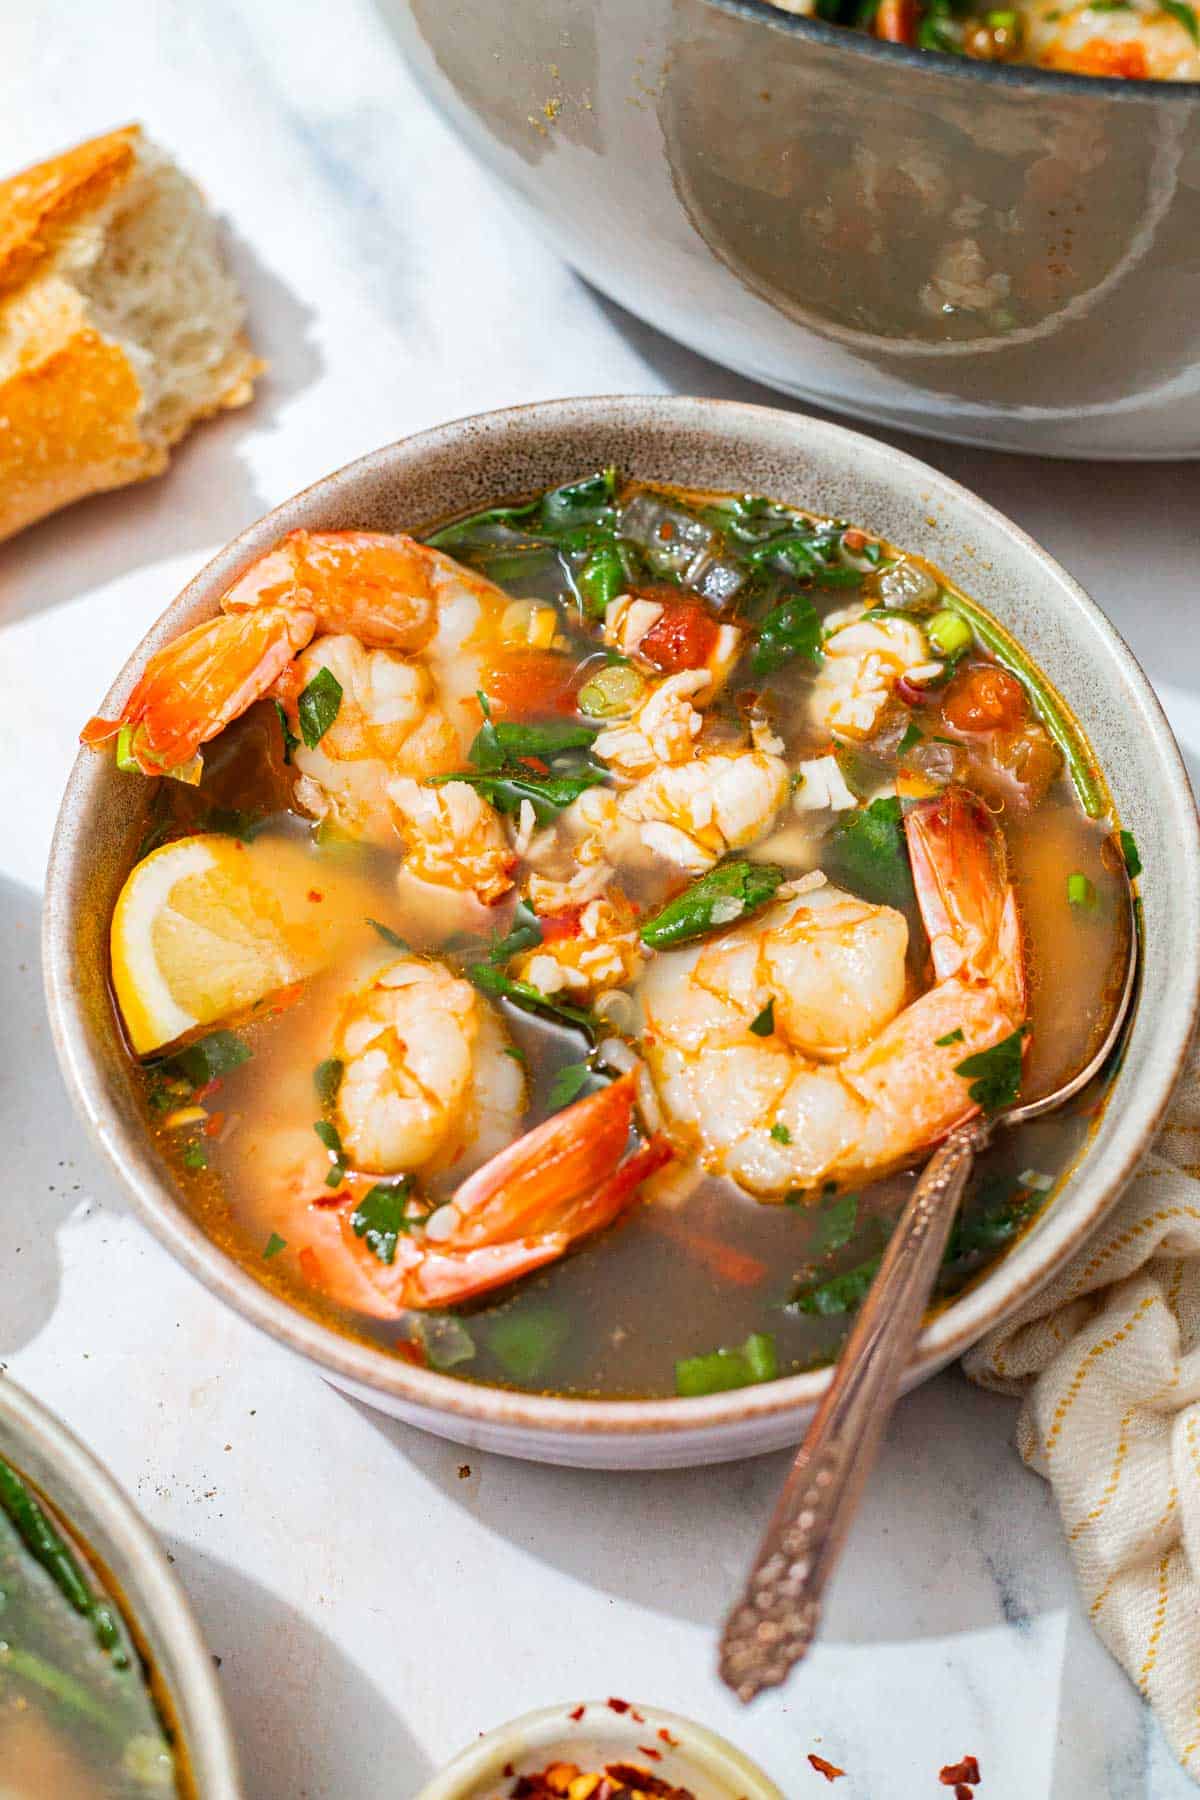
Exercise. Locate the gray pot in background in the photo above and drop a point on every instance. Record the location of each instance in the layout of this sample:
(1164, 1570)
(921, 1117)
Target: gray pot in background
(994, 254)
(42, 1449)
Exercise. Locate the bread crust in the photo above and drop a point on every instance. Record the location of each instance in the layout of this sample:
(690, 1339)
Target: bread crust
(40, 203)
(69, 411)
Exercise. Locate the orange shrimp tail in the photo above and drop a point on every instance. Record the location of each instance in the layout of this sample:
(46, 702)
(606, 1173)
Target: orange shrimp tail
(527, 1185)
(960, 872)
(377, 586)
(194, 687)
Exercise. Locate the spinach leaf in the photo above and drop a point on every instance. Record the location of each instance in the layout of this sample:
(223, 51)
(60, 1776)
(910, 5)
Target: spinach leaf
(867, 853)
(733, 890)
(836, 1223)
(318, 706)
(547, 794)
(208, 1057)
(995, 1074)
(790, 629)
(764, 1024)
(524, 933)
(839, 1293)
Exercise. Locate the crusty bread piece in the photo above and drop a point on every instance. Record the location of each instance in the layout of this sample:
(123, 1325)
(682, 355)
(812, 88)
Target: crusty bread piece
(119, 325)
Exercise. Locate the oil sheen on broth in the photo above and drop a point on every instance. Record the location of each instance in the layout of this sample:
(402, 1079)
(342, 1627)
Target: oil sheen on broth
(882, 689)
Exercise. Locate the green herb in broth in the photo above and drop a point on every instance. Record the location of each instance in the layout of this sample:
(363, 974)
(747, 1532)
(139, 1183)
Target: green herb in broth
(77, 1705)
(717, 1267)
(318, 706)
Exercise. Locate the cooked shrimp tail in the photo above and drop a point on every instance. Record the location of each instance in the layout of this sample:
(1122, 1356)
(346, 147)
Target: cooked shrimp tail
(384, 590)
(968, 908)
(192, 688)
(527, 1205)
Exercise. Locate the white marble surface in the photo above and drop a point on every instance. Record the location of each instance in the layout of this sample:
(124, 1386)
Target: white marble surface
(373, 1605)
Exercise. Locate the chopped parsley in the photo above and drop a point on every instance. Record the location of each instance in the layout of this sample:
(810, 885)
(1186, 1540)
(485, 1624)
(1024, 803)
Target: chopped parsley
(195, 1156)
(780, 1133)
(912, 737)
(568, 1084)
(951, 1037)
(273, 1246)
(1081, 893)
(327, 1079)
(764, 1024)
(381, 1217)
(318, 706)
(290, 740)
(836, 1223)
(995, 1074)
(547, 764)
(329, 1137)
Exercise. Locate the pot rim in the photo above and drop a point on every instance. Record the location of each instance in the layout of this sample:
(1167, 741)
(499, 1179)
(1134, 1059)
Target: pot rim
(93, 1503)
(1014, 76)
(447, 1399)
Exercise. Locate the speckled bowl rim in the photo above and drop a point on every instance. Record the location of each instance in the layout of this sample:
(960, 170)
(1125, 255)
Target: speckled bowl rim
(547, 1733)
(450, 1405)
(41, 1447)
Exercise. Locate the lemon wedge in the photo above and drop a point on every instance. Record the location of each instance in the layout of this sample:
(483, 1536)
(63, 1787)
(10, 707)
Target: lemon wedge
(208, 925)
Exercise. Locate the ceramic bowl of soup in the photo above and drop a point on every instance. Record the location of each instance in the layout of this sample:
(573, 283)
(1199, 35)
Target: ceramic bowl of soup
(107, 1686)
(986, 251)
(657, 822)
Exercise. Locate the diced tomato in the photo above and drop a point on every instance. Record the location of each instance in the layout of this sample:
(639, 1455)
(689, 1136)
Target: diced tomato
(983, 697)
(533, 681)
(310, 1266)
(896, 21)
(683, 637)
(560, 925)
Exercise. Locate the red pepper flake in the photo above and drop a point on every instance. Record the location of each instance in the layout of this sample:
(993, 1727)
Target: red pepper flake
(210, 1087)
(509, 1770)
(829, 1770)
(961, 1774)
(649, 1750)
(535, 763)
(464, 1471)
(310, 1266)
(618, 1706)
(634, 1714)
(315, 894)
(577, 1713)
(666, 530)
(213, 1124)
(963, 1792)
(666, 1737)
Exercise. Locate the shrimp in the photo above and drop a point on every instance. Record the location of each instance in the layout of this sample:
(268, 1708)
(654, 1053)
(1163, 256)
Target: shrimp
(429, 1096)
(381, 589)
(850, 1082)
(693, 813)
(862, 662)
(586, 949)
(663, 730)
(455, 839)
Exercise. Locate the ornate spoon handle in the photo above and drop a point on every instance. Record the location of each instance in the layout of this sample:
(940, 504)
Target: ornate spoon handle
(772, 1625)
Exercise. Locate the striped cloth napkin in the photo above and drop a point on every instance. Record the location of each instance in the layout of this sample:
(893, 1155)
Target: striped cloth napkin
(1107, 1362)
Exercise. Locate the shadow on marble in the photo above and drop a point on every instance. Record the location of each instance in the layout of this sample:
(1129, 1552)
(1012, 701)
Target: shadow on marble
(295, 1700)
(35, 1110)
(940, 1547)
(206, 496)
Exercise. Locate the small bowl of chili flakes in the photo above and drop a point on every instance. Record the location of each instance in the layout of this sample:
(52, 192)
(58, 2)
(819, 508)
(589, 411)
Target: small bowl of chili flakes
(601, 1750)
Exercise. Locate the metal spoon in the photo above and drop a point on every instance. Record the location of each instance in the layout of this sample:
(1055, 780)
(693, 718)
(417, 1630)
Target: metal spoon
(773, 1624)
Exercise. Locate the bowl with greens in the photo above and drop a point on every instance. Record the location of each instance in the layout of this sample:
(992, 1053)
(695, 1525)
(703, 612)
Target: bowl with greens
(106, 1686)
